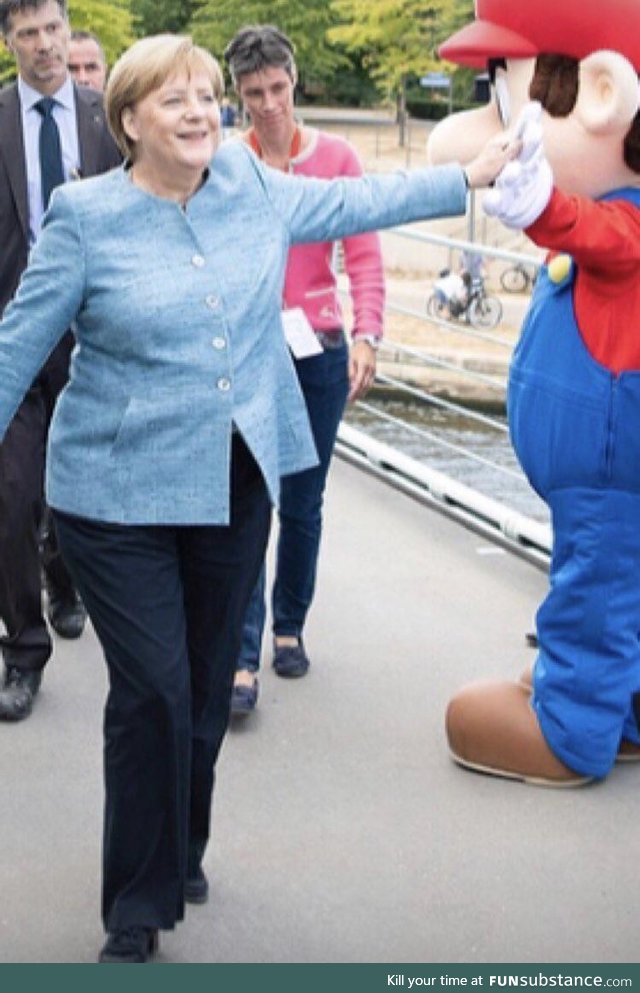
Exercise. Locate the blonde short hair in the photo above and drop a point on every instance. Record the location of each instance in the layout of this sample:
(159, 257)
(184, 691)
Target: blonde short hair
(144, 67)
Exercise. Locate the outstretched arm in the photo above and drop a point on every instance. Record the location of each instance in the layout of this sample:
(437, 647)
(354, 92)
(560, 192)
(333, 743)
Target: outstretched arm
(328, 210)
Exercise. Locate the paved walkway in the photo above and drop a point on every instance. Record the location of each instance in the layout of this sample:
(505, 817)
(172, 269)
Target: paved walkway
(343, 833)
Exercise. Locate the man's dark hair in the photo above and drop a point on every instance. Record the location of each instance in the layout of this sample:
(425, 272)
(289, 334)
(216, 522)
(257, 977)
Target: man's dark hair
(10, 7)
(89, 36)
(257, 47)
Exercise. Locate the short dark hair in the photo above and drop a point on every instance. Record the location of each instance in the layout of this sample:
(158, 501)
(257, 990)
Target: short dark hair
(78, 35)
(258, 47)
(10, 7)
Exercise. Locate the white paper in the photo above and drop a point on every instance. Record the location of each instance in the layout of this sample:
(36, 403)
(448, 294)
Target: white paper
(301, 338)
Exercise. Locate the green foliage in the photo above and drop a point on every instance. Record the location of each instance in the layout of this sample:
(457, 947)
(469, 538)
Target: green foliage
(7, 67)
(110, 20)
(399, 36)
(305, 21)
(158, 16)
(347, 50)
(350, 86)
(460, 12)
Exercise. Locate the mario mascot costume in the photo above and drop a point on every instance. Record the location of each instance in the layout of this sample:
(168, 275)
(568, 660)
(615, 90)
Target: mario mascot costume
(565, 76)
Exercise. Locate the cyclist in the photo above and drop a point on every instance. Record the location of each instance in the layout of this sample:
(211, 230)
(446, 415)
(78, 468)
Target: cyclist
(452, 290)
(473, 263)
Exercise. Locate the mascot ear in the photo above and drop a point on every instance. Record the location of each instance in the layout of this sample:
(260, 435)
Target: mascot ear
(609, 94)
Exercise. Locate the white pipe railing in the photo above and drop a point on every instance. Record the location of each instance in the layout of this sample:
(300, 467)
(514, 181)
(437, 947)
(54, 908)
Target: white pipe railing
(406, 231)
(495, 521)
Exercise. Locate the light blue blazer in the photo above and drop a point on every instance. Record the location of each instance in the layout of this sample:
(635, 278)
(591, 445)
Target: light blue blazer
(179, 335)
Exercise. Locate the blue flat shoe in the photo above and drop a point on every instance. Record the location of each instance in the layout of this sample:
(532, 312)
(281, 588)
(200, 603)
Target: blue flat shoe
(290, 661)
(244, 698)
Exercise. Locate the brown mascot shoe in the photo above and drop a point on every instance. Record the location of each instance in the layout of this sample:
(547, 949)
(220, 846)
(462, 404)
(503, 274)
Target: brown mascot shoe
(492, 728)
(628, 751)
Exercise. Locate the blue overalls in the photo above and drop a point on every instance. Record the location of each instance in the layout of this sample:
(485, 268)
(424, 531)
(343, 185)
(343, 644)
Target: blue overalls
(575, 427)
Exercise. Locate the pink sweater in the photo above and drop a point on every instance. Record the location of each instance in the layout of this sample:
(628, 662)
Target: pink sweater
(310, 282)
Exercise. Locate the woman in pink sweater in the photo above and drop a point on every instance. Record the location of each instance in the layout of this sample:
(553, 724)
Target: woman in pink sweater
(262, 66)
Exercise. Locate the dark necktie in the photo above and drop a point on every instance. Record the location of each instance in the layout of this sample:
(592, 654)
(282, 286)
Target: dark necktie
(51, 173)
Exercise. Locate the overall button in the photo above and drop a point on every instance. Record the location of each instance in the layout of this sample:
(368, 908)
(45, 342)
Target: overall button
(213, 302)
(197, 261)
(224, 384)
(219, 343)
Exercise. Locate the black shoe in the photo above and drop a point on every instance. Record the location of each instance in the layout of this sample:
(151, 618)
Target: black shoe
(129, 944)
(67, 616)
(290, 661)
(196, 888)
(18, 692)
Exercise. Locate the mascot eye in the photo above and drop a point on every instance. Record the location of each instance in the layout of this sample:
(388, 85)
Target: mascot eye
(503, 101)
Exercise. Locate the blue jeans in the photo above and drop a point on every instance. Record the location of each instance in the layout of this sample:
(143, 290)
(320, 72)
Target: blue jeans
(325, 384)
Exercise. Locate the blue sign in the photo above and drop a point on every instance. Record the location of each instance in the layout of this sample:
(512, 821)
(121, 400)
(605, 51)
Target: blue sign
(435, 81)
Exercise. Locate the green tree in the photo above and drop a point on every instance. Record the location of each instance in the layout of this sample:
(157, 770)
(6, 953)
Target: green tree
(157, 16)
(7, 66)
(400, 38)
(461, 13)
(110, 20)
(305, 21)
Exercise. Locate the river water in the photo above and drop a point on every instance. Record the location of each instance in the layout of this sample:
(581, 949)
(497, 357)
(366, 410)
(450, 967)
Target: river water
(494, 471)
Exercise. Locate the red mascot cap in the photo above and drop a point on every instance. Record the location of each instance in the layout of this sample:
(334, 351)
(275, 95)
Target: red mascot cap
(522, 29)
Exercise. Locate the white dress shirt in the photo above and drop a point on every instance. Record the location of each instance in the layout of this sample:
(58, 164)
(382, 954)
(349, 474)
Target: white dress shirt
(64, 113)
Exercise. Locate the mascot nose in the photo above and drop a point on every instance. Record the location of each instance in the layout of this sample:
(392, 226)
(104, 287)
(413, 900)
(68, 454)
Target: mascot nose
(460, 137)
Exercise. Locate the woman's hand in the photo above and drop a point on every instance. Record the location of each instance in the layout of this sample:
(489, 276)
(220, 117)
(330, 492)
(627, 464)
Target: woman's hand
(487, 166)
(362, 369)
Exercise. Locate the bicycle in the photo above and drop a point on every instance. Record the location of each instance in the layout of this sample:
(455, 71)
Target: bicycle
(518, 278)
(480, 309)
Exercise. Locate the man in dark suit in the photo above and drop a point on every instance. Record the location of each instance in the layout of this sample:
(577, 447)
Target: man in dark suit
(43, 142)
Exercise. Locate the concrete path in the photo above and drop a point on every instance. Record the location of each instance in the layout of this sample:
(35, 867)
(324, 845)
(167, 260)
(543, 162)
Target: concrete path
(343, 832)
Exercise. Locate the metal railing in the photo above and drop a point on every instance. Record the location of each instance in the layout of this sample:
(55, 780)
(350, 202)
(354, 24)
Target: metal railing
(446, 453)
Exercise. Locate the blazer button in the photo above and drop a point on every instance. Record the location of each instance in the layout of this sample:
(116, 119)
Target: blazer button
(224, 385)
(197, 261)
(219, 343)
(213, 302)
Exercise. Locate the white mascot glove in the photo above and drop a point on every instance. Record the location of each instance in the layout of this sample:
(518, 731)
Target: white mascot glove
(523, 188)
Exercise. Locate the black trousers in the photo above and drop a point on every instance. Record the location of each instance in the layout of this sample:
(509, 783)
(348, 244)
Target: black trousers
(27, 643)
(167, 604)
